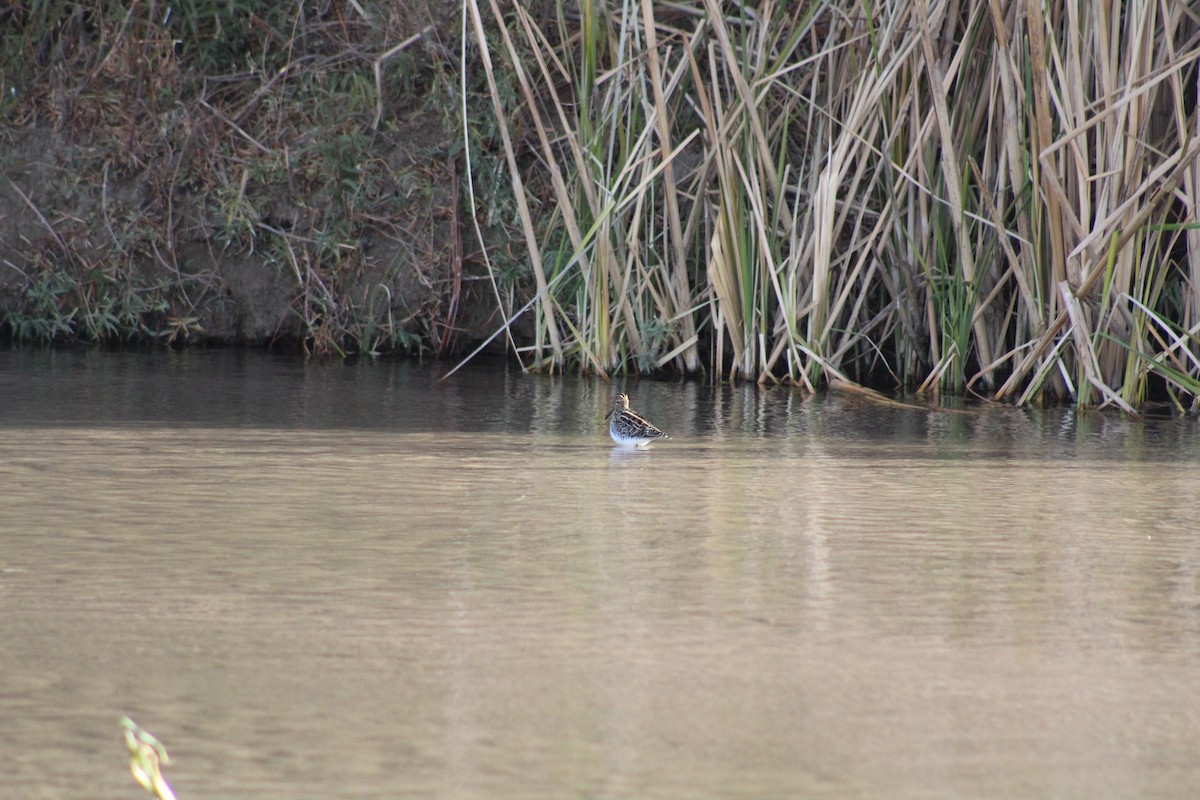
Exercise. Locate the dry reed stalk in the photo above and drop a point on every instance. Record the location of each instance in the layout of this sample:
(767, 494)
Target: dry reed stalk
(952, 168)
(545, 301)
(565, 205)
(679, 283)
(948, 193)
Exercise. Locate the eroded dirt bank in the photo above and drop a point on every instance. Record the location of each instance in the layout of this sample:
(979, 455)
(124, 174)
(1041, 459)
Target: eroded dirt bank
(242, 180)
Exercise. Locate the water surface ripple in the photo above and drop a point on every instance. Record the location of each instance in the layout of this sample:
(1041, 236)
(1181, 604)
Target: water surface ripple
(355, 581)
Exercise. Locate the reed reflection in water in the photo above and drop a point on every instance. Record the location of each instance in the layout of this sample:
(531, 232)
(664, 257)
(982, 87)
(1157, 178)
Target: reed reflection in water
(359, 582)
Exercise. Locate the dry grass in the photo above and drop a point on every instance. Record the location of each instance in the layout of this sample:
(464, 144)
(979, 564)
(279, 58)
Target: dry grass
(972, 196)
(228, 144)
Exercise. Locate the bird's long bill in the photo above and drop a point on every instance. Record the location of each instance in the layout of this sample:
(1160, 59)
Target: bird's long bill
(609, 414)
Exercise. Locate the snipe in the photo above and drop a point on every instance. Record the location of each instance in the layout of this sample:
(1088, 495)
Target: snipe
(626, 427)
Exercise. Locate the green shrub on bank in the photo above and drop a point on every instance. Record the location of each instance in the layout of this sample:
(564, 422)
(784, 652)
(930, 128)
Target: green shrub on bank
(210, 143)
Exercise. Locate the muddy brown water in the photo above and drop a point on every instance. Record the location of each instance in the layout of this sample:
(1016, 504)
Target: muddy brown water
(353, 581)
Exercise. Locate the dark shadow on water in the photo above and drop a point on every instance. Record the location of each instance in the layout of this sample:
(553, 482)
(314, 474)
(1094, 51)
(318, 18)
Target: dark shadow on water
(257, 389)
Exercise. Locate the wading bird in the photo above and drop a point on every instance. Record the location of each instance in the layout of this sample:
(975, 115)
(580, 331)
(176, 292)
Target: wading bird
(627, 427)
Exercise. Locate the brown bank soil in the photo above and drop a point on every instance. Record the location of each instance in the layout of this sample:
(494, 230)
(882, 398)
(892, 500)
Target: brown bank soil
(275, 198)
(69, 271)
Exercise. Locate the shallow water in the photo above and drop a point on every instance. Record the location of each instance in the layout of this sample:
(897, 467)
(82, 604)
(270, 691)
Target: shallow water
(354, 581)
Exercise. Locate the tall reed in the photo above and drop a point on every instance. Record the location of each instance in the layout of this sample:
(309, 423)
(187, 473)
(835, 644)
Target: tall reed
(976, 196)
